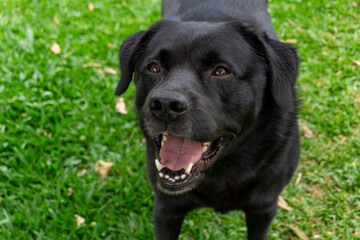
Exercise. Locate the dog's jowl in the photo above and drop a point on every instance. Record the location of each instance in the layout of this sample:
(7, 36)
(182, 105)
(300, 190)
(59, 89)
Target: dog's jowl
(216, 102)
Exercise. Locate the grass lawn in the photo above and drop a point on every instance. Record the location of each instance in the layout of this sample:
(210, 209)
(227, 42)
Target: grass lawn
(57, 118)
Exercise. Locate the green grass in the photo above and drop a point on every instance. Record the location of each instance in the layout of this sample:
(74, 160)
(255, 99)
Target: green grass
(57, 117)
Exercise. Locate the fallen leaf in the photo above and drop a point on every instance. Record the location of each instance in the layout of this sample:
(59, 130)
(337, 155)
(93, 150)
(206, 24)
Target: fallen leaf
(91, 64)
(110, 71)
(357, 98)
(111, 45)
(69, 193)
(55, 48)
(206, 234)
(299, 233)
(120, 106)
(103, 168)
(356, 233)
(81, 172)
(91, 6)
(307, 132)
(79, 220)
(342, 139)
(356, 62)
(56, 20)
(100, 71)
(298, 179)
(283, 204)
(45, 133)
(292, 41)
(1, 200)
(352, 164)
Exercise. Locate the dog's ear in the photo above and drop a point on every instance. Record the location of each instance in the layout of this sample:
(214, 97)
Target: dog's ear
(281, 60)
(130, 50)
(283, 64)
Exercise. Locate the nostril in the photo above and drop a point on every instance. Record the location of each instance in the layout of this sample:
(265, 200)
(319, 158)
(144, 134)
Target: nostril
(178, 106)
(155, 105)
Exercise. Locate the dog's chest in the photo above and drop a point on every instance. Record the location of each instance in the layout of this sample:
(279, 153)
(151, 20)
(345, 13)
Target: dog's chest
(223, 196)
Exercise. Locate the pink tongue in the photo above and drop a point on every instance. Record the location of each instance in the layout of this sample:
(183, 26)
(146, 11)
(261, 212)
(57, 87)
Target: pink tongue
(178, 152)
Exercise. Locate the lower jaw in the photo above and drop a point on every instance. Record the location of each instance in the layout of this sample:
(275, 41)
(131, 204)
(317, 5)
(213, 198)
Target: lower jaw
(180, 188)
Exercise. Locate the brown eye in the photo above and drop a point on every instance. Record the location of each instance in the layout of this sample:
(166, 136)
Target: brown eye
(154, 68)
(220, 72)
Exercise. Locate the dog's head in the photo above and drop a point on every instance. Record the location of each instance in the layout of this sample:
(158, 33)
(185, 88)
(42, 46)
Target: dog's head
(200, 85)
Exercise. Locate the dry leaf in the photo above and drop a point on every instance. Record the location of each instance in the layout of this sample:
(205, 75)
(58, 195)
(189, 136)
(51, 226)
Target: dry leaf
(79, 220)
(342, 139)
(100, 71)
(120, 106)
(298, 179)
(55, 48)
(56, 20)
(103, 168)
(357, 98)
(206, 234)
(356, 62)
(81, 172)
(299, 233)
(356, 233)
(69, 193)
(111, 45)
(1, 200)
(91, 64)
(307, 132)
(283, 204)
(91, 7)
(110, 71)
(292, 41)
(352, 164)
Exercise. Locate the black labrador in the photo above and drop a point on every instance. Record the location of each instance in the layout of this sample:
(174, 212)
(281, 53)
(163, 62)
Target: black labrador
(216, 102)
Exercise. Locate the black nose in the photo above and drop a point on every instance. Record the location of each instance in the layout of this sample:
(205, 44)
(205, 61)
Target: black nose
(168, 106)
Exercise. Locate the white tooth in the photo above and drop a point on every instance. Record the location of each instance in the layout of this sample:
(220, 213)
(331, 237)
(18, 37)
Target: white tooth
(159, 166)
(188, 169)
(177, 178)
(206, 143)
(173, 180)
(164, 138)
(204, 148)
(183, 176)
(161, 174)
(167, 177)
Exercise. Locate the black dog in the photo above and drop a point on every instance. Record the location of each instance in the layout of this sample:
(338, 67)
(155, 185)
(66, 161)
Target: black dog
(216, 101)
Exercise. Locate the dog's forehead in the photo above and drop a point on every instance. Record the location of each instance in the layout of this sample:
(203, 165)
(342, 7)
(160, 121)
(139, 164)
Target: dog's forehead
(173, 30)
(197, 38)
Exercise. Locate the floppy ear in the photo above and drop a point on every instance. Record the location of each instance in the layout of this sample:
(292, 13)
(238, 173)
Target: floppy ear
(130, 51)
(281, 60)
(283, 64)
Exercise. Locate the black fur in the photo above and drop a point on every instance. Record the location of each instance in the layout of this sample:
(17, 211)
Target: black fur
(253, 109)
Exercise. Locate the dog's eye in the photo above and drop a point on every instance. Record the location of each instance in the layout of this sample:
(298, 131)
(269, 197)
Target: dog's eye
(220, 71)
(154, 68)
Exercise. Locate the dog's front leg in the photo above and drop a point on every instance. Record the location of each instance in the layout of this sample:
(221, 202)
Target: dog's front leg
(258, 222)
(167, 221)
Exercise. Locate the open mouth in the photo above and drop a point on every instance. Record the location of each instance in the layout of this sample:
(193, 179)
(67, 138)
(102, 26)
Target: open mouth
(181, 160)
